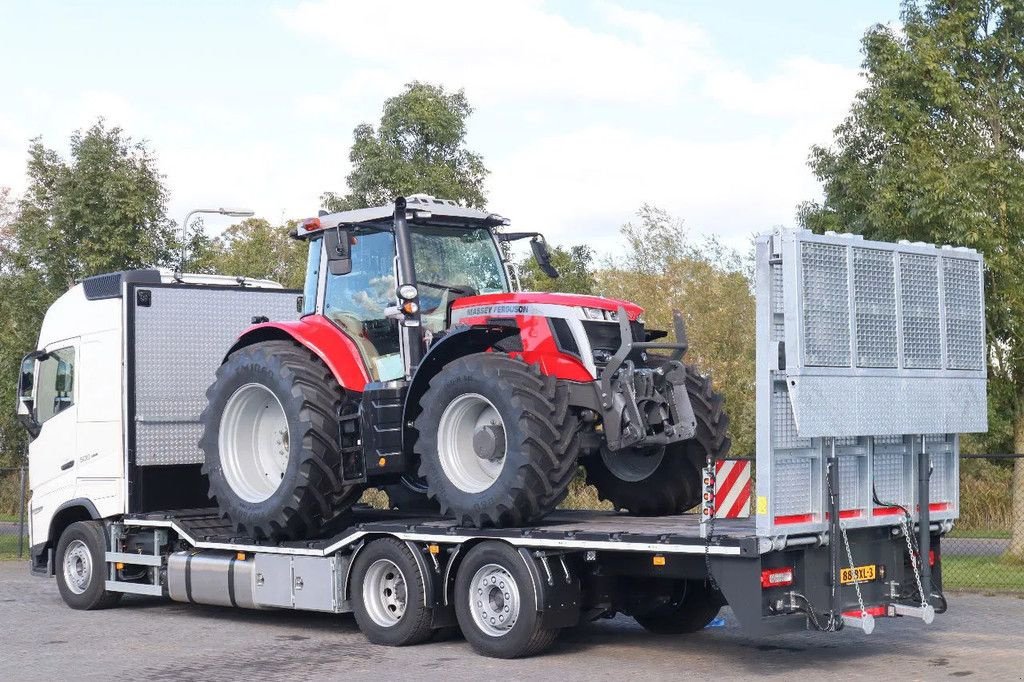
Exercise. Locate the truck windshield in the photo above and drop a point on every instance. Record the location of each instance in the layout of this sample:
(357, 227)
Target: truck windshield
(458, 257)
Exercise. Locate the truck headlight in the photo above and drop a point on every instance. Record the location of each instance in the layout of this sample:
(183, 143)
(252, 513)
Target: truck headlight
(594, 313)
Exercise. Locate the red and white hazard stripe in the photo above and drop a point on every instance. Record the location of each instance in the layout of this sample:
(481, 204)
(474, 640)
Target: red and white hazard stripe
(732, 489)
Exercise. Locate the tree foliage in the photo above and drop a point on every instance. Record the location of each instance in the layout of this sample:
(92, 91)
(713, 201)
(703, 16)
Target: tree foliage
(102, 209)
(575, 271)
(255, 249)
(662, 268)
(419, 146)
(933, 150)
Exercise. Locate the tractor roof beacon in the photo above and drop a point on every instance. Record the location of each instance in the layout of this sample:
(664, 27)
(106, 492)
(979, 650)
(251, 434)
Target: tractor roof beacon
(870, 361)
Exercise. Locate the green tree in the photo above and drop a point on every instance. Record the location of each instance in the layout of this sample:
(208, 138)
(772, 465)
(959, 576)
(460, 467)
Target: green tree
(575, 271)
(662, 268)
(419, 146)
(100, 210)
(256, 249)
(933, 150)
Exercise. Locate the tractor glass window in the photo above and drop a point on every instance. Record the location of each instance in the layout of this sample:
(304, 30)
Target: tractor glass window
(312, 277)
(357, 302)
(56, 377)
(454, 262)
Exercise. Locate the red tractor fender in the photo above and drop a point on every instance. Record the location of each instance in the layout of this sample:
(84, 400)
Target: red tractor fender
(322, 337)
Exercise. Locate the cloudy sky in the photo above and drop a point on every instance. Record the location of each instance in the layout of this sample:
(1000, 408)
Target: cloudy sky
(584, 110)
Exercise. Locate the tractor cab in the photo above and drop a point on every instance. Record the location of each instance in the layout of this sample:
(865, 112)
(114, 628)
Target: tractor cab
(352, 276)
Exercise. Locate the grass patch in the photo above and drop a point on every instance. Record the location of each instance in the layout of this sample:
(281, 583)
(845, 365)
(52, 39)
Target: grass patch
(980, 533)
(982, 573)
(9, 547)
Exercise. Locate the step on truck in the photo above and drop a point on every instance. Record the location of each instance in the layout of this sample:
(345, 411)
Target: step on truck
(870, 362)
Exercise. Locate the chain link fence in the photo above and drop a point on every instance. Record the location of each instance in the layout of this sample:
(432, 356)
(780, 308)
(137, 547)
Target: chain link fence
(13, 512)
(975, 556)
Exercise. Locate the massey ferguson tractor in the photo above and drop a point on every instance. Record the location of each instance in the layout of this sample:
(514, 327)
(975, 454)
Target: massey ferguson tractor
(417, 368)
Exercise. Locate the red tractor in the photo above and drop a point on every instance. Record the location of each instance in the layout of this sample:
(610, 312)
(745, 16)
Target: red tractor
(417, 368)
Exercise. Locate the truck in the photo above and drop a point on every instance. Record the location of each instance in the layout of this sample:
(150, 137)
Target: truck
(870, 363)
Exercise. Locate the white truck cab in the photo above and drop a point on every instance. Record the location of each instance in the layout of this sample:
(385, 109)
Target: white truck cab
(73, 394)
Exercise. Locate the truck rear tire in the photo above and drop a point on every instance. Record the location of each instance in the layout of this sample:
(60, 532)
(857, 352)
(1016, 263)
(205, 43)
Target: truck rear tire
(387, 595)
(81, 567)
(497, 442)
(690, 609)
(495, 603)
(665, 480)
(270, 437)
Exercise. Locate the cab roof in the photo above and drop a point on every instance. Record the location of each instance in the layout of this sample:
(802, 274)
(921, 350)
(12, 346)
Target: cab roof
(421, 209)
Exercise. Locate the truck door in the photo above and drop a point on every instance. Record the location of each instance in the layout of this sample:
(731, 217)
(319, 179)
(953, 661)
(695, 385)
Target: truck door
(52, 454)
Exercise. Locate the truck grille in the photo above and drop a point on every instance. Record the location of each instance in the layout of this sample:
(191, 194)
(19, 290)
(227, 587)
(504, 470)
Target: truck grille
(604, 338)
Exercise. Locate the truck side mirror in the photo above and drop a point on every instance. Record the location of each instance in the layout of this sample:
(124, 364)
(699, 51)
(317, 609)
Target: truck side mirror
(26, 408)
(543, 257)
(338, 243)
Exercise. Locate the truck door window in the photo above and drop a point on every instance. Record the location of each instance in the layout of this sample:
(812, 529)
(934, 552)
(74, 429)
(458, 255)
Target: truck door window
(56, 384)
(356, 302)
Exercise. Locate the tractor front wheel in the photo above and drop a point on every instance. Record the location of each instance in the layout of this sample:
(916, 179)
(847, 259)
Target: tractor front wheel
(497, 442)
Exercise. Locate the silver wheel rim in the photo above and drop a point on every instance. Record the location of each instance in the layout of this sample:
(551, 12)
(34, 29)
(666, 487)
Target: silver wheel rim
(463, 417)
(494, 600)
(254, 443)
(630, 465)
(77, 567)
(385, 594)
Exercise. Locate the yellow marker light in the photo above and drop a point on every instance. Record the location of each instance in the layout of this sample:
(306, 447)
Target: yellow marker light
(434, 549)
(382, 462)
(240, 556)
(658, 560)
(119, 565)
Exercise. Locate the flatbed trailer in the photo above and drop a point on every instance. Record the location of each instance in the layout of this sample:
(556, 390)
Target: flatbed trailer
(870, 361)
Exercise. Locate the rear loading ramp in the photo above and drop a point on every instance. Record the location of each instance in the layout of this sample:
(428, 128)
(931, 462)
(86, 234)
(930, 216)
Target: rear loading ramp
(875, 349)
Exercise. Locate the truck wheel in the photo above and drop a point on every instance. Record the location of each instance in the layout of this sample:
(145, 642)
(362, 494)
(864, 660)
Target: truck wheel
(81, 567)
(495, 603)
(690, 609)
(497, 442)
(410, 494)
(270, 437)
(387, 595)
(665, 480)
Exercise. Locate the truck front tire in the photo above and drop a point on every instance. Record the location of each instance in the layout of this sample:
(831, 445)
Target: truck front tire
(81, 567)
(270, 440)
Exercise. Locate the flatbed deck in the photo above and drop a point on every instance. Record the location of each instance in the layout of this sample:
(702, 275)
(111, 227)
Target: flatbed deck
(569, 529)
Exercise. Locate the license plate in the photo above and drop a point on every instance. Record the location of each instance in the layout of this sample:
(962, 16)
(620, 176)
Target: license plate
(860, 574)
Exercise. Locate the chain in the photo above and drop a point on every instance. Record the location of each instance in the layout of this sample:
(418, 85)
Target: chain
(913, 558)
(853, 567)
(711, 527)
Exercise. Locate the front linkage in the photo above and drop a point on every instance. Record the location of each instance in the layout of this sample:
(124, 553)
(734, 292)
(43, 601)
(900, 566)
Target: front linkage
(645, 406)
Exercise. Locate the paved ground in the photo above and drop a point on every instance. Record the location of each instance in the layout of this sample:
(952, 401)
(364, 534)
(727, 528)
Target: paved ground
(974, 546)
(980, 637)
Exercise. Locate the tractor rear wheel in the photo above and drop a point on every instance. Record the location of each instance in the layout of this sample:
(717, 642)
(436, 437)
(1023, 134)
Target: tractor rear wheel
(497, 442)
(270, 441)
(664, 480)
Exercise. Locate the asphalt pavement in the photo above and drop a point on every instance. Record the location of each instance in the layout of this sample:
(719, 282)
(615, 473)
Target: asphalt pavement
(154, 639)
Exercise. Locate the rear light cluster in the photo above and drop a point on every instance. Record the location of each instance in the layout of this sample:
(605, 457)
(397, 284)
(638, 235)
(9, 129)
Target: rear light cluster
(776, 577)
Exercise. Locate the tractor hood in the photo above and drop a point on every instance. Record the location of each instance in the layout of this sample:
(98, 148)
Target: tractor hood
(495, 303)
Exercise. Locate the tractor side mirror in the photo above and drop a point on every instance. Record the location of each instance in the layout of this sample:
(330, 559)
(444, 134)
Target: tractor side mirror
(26, 409)
(543, 257)
(339, 251)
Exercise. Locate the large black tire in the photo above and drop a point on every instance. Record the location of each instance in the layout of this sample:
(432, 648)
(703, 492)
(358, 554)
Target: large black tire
(673, 485)
(310, 493)
(387, 595)
(541, 440)
(689, 609)
(525, 636)
(81, 567)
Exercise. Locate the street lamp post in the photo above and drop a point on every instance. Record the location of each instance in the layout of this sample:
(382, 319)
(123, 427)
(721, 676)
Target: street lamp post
(233, 212)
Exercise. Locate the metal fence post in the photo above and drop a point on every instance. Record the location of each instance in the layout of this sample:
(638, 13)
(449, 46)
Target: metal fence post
(21, 516)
